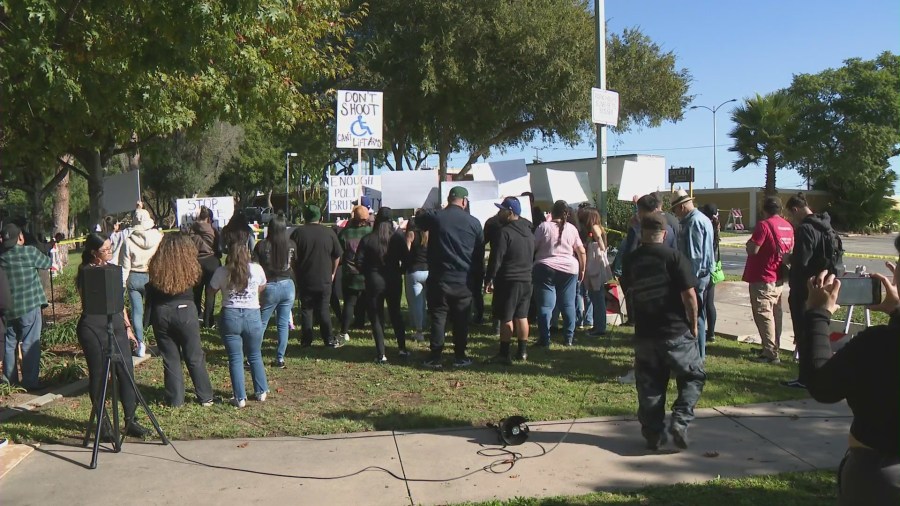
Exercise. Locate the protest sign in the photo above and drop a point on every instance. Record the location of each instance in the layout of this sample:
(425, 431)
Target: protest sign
(360, 115)
(410, 189)
(478, 190)
(511, 176)
(344, 190)
(121, 192)
(636, 181)
(573, 187)
(187, 209)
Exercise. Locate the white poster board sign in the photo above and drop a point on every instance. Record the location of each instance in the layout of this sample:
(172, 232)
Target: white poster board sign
(636, 181)
(360, 115)
(410, 189)
(511, 175)
(478, 190)
(484, 209)
(573, 187)
(121, 192)
(343, 190)
(604, 107)
(187, 209)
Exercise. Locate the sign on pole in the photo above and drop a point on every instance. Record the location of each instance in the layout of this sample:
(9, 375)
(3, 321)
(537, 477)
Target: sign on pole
(681, 175)
(343, 190)
(360, 115)
(604, 107)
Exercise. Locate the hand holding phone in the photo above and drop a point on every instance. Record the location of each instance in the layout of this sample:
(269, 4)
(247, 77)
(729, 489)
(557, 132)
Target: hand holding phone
(862, 291)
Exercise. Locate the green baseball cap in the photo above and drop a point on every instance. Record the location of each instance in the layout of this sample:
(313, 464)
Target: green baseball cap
(458, 192)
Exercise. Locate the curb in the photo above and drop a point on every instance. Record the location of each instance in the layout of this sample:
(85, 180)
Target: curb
(847, 254)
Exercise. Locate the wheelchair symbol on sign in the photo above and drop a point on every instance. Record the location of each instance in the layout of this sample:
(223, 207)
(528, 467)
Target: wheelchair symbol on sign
(359, 128)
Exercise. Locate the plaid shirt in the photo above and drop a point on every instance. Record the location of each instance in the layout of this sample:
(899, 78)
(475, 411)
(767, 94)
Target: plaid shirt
(21, 264)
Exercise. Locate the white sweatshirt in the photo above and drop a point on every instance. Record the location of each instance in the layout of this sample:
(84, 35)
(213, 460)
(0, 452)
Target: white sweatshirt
(137, 250)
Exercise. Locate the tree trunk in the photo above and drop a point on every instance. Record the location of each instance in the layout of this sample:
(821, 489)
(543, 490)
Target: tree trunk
(36, 218)
(771, 191)
(61, 207)
(93, 165)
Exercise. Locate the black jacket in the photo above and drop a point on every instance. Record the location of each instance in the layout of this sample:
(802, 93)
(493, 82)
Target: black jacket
(866, 372)
(455, 244)
(512, 253)
(808, 257)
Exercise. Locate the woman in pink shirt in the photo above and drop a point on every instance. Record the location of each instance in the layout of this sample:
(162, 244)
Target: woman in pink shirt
(559, 262)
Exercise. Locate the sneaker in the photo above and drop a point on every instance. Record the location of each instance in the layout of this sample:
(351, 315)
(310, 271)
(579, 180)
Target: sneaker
(239, 403)
(499, 359)
(262, 397)
(628, 379)
(345, 337)
(793, 384)
(335, 343)
(766, 360)
(462, 362)
(654, 439)
(381, 360)
(208, 404)
(710, 339)
(279, 363)
(403, 353)
(679, 436)
(520, 357)
(134, 429)
(434, 362)
(569, 342)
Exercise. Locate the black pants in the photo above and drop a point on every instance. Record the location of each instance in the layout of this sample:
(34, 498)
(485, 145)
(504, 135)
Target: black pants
(797, 304)
(351, 298)
(208, 267)
(178, 337)
(477, 302)
(381, 289)
(710, 306)
(453, 299)
(92, 336)
(315, 303)
(337, 294)
(867, 477)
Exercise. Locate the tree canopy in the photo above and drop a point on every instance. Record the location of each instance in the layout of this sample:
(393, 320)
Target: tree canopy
(90, 78)
(477, 76)
(849, 128)
(763, 133)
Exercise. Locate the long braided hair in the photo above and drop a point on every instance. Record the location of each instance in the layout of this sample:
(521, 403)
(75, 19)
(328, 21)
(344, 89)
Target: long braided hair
(560, 212)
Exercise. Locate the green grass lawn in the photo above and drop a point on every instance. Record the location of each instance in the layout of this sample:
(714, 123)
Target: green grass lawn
(333, 391)
(789, 489)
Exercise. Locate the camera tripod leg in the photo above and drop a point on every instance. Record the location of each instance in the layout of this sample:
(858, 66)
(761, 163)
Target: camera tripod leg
(100, 414)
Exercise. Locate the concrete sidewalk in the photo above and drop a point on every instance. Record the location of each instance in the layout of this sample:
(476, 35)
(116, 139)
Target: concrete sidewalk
(598, 454)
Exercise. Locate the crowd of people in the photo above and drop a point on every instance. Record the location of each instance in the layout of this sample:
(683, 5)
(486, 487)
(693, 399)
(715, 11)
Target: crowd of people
(667, 266)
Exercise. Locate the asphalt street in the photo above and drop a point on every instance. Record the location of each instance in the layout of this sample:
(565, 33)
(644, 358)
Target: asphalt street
(734, 258)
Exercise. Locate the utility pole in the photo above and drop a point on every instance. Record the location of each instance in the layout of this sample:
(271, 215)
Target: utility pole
(600, 44)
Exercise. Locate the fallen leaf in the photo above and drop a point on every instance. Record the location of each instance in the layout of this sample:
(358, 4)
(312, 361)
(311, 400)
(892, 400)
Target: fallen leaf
(457, 384)
(243, 445)
(711, 455)
(279, 390)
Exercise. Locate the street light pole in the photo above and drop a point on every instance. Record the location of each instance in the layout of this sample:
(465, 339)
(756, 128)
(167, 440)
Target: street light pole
(713, 111)
(287, 184)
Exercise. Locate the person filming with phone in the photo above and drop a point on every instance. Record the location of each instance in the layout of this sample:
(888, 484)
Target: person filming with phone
(865, 372)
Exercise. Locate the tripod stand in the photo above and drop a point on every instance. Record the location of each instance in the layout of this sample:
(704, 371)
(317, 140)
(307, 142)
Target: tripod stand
(100, 414)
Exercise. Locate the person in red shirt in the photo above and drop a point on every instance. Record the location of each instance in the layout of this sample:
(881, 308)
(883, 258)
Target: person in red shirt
(772, 239)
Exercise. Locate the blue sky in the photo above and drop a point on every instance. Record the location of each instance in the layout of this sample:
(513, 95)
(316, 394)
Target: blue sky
(734, 50)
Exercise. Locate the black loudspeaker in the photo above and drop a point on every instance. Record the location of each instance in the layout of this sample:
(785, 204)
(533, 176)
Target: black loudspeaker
(103, 293)
(512, 431)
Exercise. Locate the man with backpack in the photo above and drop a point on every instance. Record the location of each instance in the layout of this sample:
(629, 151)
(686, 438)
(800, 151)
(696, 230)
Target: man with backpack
(771, 242)
(817, 248)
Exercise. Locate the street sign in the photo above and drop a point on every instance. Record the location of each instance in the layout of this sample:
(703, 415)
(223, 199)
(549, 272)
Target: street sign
(681, 175)
(360, 115)
(604, 107)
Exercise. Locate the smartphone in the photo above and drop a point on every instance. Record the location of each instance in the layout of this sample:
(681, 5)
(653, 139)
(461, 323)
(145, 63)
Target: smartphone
(862, 291)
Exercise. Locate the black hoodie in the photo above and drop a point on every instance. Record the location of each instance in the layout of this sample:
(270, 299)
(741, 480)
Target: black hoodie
(512, 253)
(808, 257)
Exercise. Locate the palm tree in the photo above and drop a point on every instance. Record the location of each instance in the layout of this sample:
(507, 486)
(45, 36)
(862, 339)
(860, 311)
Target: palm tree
(763, 133)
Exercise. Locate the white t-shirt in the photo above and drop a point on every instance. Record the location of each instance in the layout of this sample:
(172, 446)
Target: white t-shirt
(244, 299)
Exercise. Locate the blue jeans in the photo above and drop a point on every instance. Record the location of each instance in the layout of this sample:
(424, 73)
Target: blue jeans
(702, 292)
(554, 288)
(584, 307)
(27, 330)
(136, 286)
(278, 297)
(415, 298)
(242, 328)
(598, 304)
